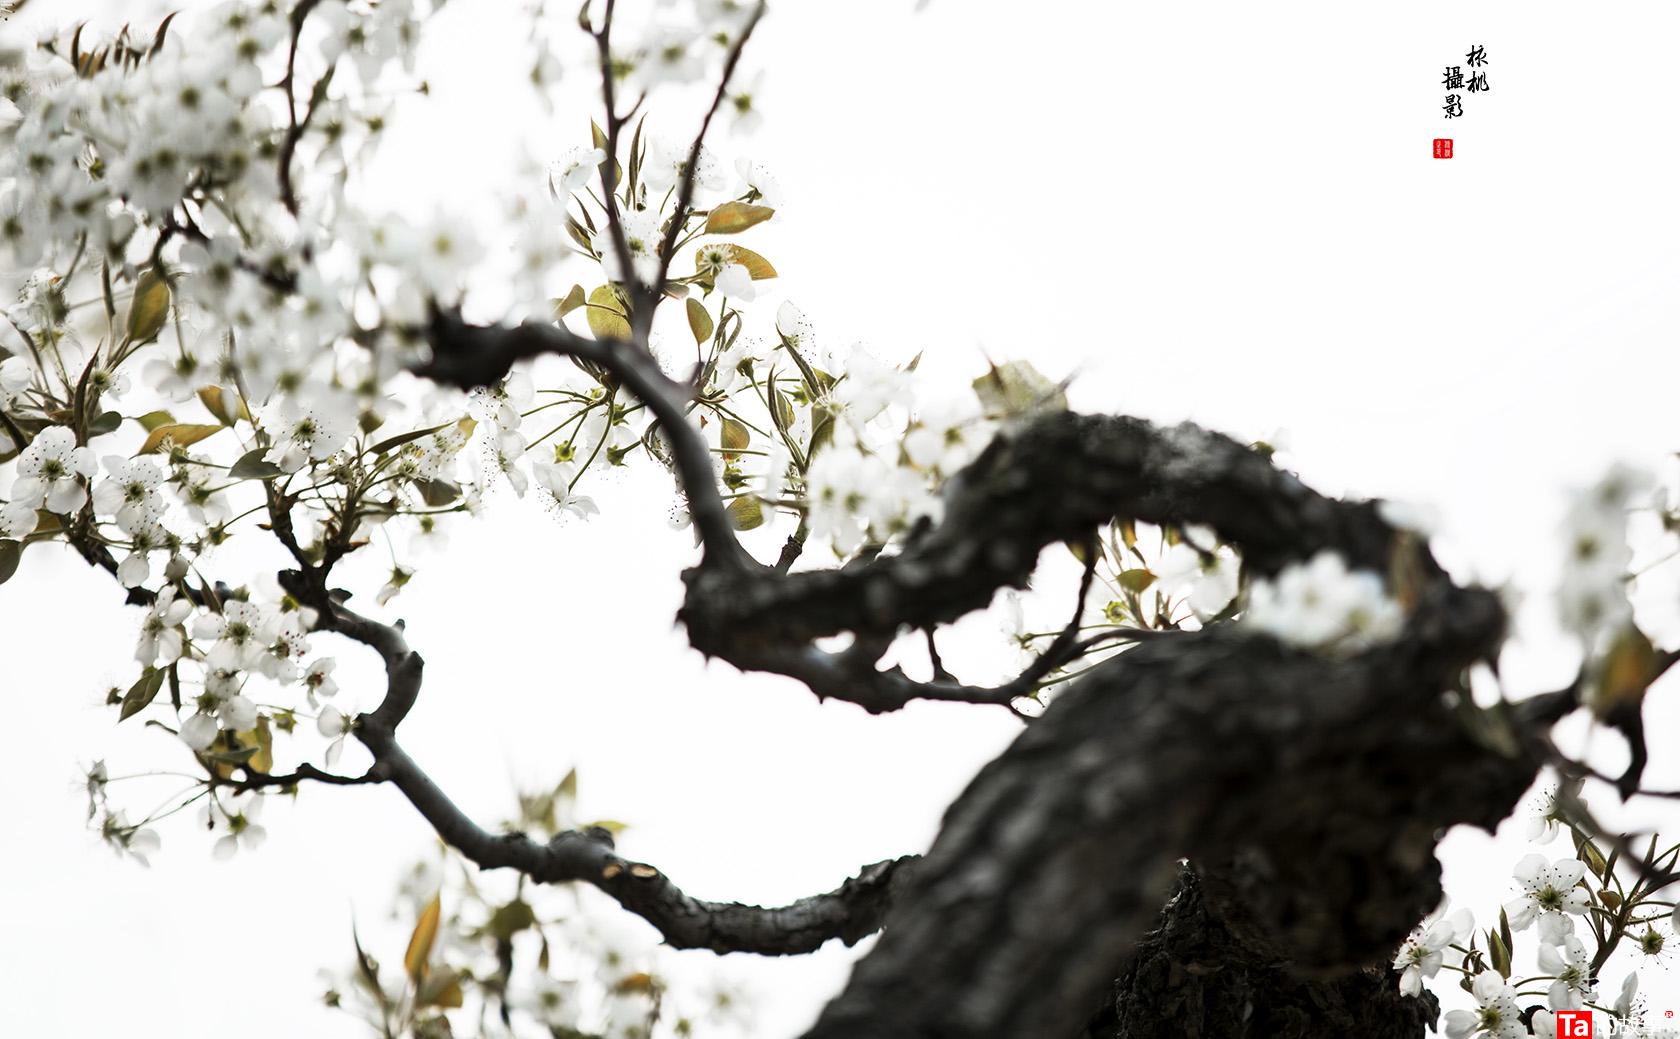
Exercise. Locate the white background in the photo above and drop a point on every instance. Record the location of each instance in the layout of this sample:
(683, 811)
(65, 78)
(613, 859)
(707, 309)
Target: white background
(1224, 211)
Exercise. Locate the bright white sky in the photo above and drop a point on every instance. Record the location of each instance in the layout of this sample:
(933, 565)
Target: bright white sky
(1223, 211)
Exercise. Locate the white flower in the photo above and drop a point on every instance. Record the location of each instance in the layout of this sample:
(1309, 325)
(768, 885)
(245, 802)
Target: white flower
(317, 678)
(556, 479)
(1551, 895)
(573, 172)
(1544, 827)
(331, 722)
(16, 373)
(1629, 992)
(754, 177)
(18, 519)
(160, 631)
(1543, 1024)
(1497, 1015)
(308, 432)
(130, 493)
(670, 54)
(237, 714)
(868, 389)
(242, 633)
(239, 819)
(734, 281)
(1422, 954)
(642, 240)
(1571, 971)
(1592, 594)
(138, 842)
(199, 731)
(1322, 605)
(1208, 582)
(50, 471)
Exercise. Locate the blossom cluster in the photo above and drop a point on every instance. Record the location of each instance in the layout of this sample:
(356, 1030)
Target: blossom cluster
(1555, 897)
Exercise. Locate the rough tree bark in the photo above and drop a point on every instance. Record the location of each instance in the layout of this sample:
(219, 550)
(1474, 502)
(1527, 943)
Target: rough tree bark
(1307, 791)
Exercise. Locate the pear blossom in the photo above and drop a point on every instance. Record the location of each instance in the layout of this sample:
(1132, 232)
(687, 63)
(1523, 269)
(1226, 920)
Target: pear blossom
(137, 842)
(161, 637)
(1627, 994)
(199, 731)
(574, 171)
(51, 470)
(1544, 826)
(308, 432)
(1551, 896)
(130, 493)
(238, 817)
(1592, 594)
(318, 680)
(1422, 954)
(240, 634)
(331, 722)
(17, 519)
(1570, 967)
(1497, 1014)
(1324, 606)
(734, 281)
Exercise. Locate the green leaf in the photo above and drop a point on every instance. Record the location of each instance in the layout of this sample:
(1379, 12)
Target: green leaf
(404, 438)
(1016, 388)
(216, 402)
(442, 988)
(153, 419)
(148, 311)
(1625, 672)
(10, 553)
(252, 466)
(574, 299)
(510, 919)
(735, 436)
(141, 694)
(746, 512)
(699, 320)
(261, 738)
(1500, 954)
(735, 217)
(608, 317)
(1136, 580)
(420, 943)
(437, 493)
(181, 433)
(105, 423)
(756, 265)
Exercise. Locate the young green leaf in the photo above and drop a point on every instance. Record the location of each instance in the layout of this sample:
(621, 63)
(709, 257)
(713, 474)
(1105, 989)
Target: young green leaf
(608, 318)
(180, 434)
(148, 311)
(699, 320)
(141, 694)
(735, 217)
(253, 466)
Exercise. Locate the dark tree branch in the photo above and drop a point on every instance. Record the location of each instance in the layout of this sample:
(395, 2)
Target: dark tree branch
(1056, 479)
(1329, 778)
(850, 912)
(650, 294)
(473, 355)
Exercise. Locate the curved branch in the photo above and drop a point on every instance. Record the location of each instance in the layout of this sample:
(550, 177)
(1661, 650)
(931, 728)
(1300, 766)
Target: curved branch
(850, 912)
(467, 355)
